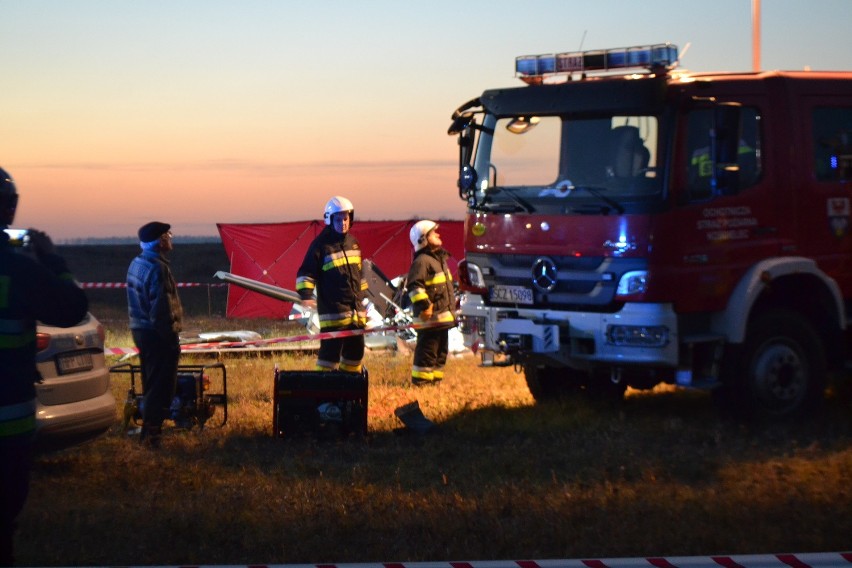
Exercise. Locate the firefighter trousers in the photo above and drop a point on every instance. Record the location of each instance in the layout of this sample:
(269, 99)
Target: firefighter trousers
(430, 355)
(346, 353)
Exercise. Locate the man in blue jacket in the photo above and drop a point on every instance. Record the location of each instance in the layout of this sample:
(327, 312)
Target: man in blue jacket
(33, 287)
(156, 317)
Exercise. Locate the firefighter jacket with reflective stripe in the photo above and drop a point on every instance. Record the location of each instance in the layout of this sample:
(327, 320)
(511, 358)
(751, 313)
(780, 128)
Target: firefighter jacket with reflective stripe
(332, 269)
(30, 291)
(152, 296)
(430, 283)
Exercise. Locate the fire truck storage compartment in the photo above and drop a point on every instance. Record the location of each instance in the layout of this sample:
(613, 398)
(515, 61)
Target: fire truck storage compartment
(325, 403)
(195, 400)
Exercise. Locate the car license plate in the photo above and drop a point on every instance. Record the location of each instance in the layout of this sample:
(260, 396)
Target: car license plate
(74, 362)
(511, 294)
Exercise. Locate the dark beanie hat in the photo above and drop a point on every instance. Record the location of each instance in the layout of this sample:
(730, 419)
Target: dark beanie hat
(153, 231)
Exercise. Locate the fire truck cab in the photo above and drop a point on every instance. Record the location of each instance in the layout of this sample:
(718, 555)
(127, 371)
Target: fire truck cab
(629, 224)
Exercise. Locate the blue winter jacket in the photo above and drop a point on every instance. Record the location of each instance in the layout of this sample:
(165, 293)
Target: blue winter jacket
(152, 298)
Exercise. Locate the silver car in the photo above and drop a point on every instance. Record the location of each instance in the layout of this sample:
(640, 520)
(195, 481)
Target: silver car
(74, 399)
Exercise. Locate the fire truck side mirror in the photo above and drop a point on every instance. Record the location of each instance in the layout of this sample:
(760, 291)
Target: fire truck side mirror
(467, 181)
(467, 175)
(465, 146)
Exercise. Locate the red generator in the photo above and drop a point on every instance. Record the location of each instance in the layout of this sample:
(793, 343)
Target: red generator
(327, 404)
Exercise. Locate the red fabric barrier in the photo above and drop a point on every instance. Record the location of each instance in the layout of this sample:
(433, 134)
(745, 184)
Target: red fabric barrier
(272, 253)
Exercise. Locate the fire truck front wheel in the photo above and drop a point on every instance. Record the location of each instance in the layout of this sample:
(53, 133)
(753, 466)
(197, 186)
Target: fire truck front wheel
(779, 371)
(549, 383)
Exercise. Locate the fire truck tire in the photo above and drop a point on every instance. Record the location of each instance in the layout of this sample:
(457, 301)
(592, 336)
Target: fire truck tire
(779, 371)
(550, 383)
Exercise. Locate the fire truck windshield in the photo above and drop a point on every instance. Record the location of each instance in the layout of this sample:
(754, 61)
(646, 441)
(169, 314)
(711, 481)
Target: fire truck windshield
(559, 165)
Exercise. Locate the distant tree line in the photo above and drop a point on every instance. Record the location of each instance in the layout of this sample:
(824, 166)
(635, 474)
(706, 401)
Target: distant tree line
(181, 239)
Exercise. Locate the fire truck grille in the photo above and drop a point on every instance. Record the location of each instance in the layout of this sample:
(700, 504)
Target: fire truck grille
(557, 282)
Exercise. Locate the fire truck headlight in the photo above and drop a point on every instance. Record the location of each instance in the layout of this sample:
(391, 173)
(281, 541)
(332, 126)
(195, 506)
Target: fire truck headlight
(638, 335)
(471, 278)
(634, 282)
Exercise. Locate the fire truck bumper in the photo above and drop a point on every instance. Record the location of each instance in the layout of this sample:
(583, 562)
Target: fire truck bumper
(643, 334)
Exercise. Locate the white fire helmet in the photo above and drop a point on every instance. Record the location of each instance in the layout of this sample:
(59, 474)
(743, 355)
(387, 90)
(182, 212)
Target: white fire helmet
(419, 232)
(338, 204)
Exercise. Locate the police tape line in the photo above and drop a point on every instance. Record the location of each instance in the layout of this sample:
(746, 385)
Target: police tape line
(124, 285)
(806, 560)
(289, 339)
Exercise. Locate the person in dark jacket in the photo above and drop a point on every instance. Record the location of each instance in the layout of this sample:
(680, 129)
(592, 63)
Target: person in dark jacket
(430, 289)
(331, 270)
(33, 287)
(156, 317)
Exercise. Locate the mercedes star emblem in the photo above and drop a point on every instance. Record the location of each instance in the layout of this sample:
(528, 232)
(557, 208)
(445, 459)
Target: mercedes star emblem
(544, 274)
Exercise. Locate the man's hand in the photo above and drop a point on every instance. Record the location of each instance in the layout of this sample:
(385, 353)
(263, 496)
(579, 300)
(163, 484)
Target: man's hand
(309, 305)
(426, 314)
(40, 243)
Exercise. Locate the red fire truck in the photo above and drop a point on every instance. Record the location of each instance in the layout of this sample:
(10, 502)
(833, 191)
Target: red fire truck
(630, 224)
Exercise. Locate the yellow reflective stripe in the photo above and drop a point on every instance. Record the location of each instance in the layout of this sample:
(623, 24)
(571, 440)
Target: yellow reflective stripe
(444, 317)
(364, 285)
(418, 295)
(354, 368)
(439, 278)
(424, 373)
(337, 320)
(341, 259)
(18, 426)
(438, 374)
(335, 323)
(305, 283)
(340, 262)
(342, 319)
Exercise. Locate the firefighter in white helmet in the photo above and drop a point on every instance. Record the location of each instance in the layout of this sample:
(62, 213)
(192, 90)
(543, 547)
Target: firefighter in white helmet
(430, 289)
(329, 281)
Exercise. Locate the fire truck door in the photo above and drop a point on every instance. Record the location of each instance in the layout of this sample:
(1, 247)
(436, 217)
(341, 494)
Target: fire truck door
(825, 228)
(724, 219)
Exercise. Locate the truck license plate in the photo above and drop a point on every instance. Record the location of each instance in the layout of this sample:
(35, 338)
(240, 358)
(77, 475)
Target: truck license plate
(74, 362)
(511, 294)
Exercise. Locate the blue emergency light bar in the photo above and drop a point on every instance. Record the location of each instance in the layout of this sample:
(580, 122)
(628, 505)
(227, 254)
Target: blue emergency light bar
(533, 68)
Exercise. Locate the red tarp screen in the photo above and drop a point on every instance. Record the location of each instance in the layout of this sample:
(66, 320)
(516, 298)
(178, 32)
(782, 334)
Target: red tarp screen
(272, 253)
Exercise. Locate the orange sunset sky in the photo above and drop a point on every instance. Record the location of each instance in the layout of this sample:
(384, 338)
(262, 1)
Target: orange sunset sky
(197, 112)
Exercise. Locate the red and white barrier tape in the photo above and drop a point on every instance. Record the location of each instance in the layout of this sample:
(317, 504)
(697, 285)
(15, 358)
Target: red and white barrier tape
(808, 560)
(103, 285)
(289, 339)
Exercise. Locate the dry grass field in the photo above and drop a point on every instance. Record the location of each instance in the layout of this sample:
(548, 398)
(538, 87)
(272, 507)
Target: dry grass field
(660, 474)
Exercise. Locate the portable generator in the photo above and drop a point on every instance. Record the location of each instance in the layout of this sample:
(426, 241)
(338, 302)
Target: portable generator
(327, 404)
(193, 403)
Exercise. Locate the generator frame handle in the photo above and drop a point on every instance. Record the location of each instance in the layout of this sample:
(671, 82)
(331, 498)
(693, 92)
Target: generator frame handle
(220, 399)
